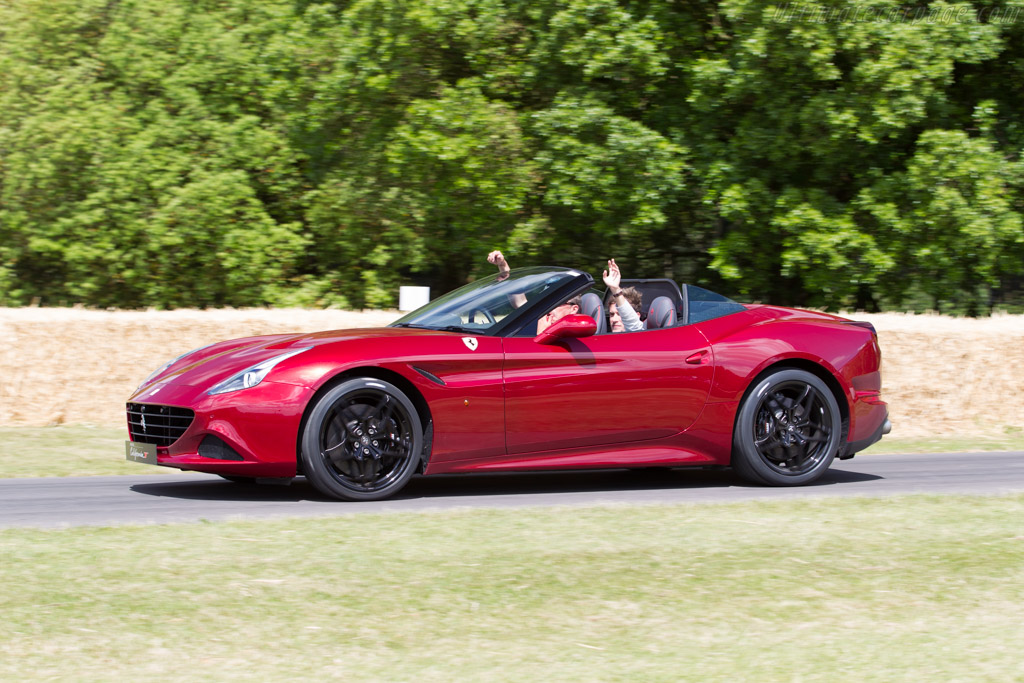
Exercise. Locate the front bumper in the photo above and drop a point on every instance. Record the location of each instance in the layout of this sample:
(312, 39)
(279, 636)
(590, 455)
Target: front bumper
(259, 425)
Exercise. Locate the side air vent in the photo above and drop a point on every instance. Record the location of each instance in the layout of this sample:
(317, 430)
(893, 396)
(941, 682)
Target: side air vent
(160, 425)
(431, 376)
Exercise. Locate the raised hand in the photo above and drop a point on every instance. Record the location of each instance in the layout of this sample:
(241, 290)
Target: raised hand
(612, 277)
(498, 259)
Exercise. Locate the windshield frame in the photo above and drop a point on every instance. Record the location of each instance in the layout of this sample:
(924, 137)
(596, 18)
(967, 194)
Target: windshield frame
(518, 318)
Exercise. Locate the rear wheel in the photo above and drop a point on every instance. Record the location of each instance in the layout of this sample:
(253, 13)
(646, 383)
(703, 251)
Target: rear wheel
(788, 430)
(362, 441)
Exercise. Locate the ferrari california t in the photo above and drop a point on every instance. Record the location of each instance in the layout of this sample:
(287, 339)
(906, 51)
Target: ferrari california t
(466, 384)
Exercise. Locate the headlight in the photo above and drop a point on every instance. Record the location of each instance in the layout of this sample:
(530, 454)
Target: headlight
(169, 364)
(253, 375)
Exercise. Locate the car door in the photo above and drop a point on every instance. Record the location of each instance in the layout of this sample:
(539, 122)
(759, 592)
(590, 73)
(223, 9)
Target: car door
(461, 377)
(604, 389)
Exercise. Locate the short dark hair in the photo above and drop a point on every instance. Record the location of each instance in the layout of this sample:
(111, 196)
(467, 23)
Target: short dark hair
(633, 296)
(575, 301)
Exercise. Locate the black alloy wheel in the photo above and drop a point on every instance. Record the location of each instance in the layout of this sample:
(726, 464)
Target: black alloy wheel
(362, 441)
(788, 430)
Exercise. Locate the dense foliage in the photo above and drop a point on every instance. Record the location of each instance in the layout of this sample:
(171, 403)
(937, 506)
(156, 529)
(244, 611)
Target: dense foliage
(241, 152)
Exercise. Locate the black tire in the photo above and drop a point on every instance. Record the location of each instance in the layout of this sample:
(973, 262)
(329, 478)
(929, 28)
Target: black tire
(362, 441)
(788, 430)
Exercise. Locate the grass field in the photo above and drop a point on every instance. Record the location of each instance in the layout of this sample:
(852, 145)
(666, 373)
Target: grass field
(65, 451)
(916, 588)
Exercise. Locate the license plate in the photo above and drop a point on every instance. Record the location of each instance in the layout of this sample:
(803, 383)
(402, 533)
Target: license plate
(140, 452)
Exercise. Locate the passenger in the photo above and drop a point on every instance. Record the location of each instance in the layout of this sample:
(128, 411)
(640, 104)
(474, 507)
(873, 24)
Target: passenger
(624, 304)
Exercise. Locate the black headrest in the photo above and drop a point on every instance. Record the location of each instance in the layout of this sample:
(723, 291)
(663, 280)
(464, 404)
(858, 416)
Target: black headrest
(662, 313)
(591, 304)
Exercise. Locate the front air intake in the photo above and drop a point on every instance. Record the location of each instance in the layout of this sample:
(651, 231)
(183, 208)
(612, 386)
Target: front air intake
(215, 448)
(160, 425)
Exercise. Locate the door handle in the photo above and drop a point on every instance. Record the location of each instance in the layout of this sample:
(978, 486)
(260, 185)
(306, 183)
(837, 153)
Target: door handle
(699, 357)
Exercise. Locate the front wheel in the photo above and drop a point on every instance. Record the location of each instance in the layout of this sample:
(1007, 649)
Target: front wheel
(362, 441)
(788, 430)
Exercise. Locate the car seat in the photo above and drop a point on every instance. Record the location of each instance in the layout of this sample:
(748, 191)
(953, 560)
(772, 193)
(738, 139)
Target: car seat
(591, 304)
(661, 313)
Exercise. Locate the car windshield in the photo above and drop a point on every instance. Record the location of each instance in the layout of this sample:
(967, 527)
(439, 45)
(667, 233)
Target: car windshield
(486, 304)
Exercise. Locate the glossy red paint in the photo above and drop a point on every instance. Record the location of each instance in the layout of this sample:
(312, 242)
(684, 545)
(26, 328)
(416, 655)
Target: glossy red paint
(263, 426)
(646, 455)
(469, 410)
(601, 390)
(570, 399)
(749, 343)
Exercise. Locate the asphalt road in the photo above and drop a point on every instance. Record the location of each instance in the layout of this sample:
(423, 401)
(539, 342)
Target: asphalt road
(161, 498)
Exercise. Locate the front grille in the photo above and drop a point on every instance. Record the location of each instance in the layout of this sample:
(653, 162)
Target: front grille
(160, 425)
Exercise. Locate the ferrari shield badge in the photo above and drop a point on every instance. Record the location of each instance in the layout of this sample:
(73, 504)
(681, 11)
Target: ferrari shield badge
(470, 342)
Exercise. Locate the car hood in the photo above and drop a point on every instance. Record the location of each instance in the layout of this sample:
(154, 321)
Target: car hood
(211, 364)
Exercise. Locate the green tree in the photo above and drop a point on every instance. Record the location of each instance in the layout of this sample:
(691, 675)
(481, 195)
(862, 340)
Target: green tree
(140, 167)
(193, 152)
(949, 221)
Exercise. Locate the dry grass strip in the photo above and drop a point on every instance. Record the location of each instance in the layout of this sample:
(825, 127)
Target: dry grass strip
(942, 375)
(67, 366)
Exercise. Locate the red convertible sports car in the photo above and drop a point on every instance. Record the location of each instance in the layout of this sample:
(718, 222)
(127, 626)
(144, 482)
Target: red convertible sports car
(465, 384)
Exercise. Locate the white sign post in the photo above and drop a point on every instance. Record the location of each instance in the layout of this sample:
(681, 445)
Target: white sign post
(411, 298)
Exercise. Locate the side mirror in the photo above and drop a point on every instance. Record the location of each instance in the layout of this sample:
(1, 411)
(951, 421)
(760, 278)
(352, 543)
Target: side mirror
(570, 327)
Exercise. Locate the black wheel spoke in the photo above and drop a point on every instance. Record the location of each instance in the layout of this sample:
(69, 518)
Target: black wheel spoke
(365, 440)
(791, 428)
(384, 409)
(333, 456)
(346, 415)
(807, 396)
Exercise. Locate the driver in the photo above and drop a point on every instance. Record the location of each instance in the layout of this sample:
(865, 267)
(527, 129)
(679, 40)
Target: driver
(571, 306)
(496, 258)
(558, 312)
(621, 309)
